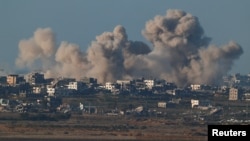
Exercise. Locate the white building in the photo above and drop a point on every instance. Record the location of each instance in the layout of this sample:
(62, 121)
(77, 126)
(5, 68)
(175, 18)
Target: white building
(139, 109)
(149, 83)
(50, 90)
(123, 83)
(195, 87)
(247, 96)
(171, 92)
(81, 106)
(194, 102)
(37, 90)
(162, 104)
(4, 102)
(72, 85)
(109, 86)
(75, 85)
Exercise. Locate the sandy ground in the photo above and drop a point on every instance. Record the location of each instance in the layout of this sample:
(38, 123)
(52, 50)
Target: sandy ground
(102, 128)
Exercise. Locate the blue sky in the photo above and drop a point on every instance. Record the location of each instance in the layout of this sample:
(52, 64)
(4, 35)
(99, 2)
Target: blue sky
(80, 21)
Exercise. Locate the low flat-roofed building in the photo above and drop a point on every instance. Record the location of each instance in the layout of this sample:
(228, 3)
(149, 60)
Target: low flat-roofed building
(162, 104)
(246, 96)
(195, 87)
(194, 103)
(4, 102)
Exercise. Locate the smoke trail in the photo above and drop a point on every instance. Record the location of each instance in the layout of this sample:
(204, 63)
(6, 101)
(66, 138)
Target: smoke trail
(180, 53)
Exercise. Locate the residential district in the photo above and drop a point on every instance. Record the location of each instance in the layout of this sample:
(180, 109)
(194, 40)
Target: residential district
(32, 93)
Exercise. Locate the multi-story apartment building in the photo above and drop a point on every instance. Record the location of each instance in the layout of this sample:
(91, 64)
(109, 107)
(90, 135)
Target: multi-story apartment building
(149, 83)
(109, 86)
(233, 94)
(75, 85)
(35, 78)
(51, 90)
(12, 79)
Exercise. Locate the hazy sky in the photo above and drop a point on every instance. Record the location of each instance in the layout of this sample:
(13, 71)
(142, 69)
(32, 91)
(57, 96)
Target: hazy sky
(80, 21)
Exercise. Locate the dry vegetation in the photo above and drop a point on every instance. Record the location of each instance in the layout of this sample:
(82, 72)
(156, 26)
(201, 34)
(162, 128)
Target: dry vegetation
(93, 127)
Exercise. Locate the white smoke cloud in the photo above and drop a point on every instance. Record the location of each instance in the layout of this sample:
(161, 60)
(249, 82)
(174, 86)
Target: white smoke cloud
(180, 53)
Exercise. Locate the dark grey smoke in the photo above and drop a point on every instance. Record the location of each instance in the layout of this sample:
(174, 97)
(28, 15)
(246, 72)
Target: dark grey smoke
(180, 53)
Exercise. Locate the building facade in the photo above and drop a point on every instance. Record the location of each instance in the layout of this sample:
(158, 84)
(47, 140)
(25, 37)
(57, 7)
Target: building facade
(149, 83)
(12, 79)
(233, 94)
(35, 78)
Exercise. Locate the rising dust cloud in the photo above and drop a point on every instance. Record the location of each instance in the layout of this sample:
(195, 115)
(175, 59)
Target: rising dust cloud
(180, 53)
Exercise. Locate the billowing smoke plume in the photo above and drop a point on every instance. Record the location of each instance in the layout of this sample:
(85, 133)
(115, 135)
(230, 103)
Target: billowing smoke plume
(180, 53)
(40, 47)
